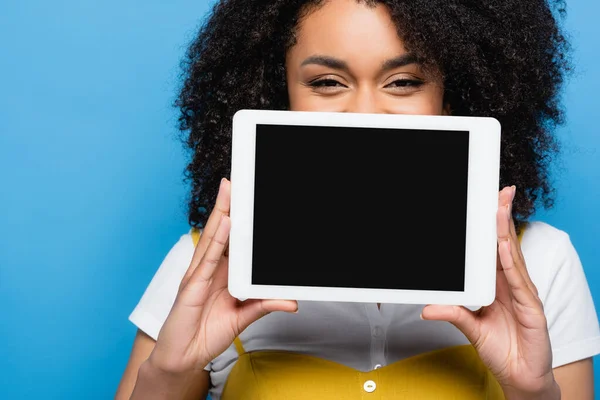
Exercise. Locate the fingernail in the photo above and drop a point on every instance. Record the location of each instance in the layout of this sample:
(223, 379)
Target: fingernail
(221, 184)
(514, 190)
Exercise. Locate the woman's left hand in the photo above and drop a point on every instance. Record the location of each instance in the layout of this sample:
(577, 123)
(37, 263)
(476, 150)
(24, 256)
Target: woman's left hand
(510, 335)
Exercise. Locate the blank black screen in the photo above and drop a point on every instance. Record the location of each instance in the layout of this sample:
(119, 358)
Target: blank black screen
(360, 207)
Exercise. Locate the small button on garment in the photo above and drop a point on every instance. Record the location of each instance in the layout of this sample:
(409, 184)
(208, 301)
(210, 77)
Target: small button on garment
(369, 386)
(377, 331)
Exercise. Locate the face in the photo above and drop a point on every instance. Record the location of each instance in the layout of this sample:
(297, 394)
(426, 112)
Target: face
(348, 58)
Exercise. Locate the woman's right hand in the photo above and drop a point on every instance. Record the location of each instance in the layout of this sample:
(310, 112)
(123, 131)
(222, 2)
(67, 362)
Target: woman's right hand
(205, 318)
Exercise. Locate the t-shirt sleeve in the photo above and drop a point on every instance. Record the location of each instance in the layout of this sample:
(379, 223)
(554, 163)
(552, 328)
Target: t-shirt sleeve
(571, 315)
(153, 308)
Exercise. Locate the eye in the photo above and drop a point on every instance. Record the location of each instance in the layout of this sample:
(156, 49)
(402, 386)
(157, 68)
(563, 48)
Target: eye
(405, 84)
(326, 85)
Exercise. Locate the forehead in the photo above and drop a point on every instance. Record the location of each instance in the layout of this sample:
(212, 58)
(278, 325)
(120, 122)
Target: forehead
(347, 29)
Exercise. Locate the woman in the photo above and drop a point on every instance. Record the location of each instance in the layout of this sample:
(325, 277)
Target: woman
(505, 59)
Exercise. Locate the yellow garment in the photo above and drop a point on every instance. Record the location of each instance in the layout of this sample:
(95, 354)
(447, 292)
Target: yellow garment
(453, 373)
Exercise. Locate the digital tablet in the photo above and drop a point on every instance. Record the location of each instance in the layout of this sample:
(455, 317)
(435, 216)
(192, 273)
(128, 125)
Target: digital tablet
(383, 208)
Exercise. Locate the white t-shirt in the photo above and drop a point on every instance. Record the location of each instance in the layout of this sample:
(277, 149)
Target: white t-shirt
(362, 336)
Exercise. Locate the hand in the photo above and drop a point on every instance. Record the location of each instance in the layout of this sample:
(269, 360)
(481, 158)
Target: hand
(205, 318)
(510, 335)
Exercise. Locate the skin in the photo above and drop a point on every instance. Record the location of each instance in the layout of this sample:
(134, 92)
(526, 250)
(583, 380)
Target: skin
(348, 58)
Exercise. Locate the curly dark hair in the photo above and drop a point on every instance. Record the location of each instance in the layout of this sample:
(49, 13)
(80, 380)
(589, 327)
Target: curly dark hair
(501, 58)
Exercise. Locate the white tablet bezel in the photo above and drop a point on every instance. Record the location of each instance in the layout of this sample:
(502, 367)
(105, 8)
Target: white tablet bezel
(482, 200)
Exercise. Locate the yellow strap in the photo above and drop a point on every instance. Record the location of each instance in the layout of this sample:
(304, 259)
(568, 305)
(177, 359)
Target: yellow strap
(520, 235)
(238, 346)
(195, 236)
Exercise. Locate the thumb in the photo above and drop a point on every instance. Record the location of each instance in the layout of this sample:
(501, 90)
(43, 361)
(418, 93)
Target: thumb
(252, 309)
(461, 317)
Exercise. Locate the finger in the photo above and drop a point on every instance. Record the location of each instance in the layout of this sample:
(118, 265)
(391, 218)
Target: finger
(461, 317)
(196, 287)
(513, 231)
(504, 196)
(506, 231)
(222, 205)
(516, 250)
(189, 303)
(503, 232)
(221, 208)
(502, 290)
(503, 222)
(519, 259)
(220, 277)
(519, 289)
(252, 309)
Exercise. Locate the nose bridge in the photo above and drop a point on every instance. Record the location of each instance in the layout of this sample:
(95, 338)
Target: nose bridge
(363, 101)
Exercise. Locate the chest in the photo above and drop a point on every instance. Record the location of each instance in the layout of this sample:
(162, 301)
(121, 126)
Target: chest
(360, 336)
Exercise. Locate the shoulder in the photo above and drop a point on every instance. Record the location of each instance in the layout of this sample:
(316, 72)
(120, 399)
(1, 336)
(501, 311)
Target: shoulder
(546, 249)
(556, 270)
(157, 300)
(183, 247)
(539, 232)
(548, 253)
(177, 260)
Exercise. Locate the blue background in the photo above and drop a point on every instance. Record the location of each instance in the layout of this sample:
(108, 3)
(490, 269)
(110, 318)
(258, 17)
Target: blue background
(92, 194)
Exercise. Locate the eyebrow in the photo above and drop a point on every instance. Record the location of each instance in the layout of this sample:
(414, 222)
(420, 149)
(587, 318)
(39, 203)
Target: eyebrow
(326, 61)
(336, 63)
(400, 61)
